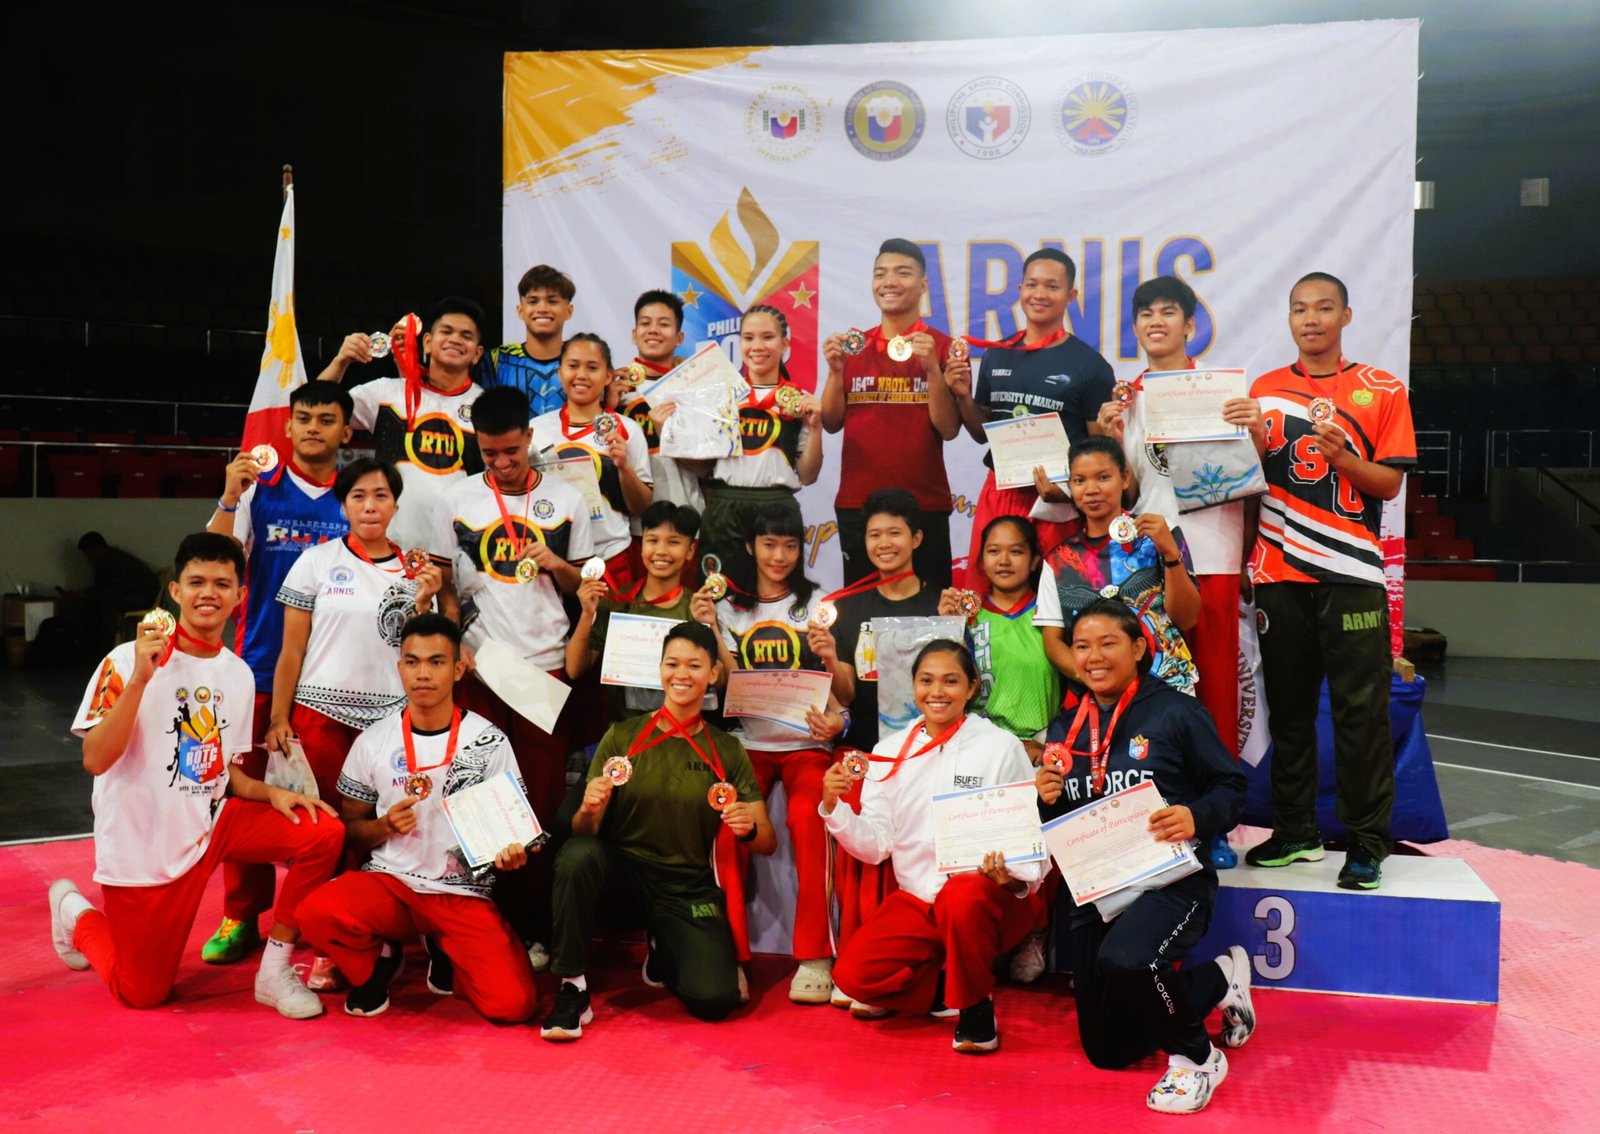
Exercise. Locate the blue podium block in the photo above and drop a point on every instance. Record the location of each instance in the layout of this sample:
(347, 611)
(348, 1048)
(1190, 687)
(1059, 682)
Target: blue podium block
(1432, 932)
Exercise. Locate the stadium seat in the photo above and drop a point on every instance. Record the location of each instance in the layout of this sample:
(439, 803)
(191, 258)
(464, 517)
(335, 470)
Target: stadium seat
(75, 475)
(1448, 548)
(1432, 527)
(13, 466)
(139, 476)
(195, 476)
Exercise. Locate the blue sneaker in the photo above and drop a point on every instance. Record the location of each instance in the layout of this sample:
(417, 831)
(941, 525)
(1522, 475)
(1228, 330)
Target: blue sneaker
(1223, 856)
(1361, 871)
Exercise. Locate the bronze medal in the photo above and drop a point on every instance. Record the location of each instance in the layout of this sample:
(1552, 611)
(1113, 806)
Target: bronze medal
(968, 603)
(1321, 410)
(1056, 755)
(722, 793)
(419, 785)
(265, 457)
(854, 762)
(825, 614)
(959, 350)
(618, 769)
(415, 561)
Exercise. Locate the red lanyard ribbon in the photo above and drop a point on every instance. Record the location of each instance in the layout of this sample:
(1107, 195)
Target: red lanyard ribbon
(360, 553)
(208, 648)
(572, 435)
(670, 727)
(767, 402)
(1099, 750)
(911, 736)
(875, 337)
(411, 745)
(517, 538)
(1015, 341)
(871, 582)
(409, 361)
(634, 592)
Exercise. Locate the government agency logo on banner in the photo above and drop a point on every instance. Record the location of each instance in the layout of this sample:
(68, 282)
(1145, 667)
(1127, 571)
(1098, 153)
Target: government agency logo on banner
(742, 261)
(1095, 113)
(988, 118)
(884, 120)
(784, 122)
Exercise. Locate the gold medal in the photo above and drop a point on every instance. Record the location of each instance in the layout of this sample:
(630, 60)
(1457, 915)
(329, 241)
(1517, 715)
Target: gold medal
(594, 568)
(415, 560)
(1123, 529)
(618, 769)
(419, 785)
(1122, 393)
(854, 762)
(716, 585)
(959, 350)
(527, 570)
(854, 342)
(825, 614)
(900, 348)
(1321, 410)
(789, 400)
(265, 457)
(1056, 755)
(721, 794)
(380, 344)
(162, 618)
(634, 374)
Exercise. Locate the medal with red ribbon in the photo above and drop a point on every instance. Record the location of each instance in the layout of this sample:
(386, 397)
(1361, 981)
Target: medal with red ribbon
(825, 613)
(722, 792)
(916, 730)
(199, 645)
(519, 541)
(418, 783)
(1099, 752)
(1015, 341)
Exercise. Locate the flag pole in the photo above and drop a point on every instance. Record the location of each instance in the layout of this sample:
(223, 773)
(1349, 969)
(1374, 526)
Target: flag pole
(288, 179)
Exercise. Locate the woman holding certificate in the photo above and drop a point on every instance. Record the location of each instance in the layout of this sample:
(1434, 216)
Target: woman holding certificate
(1130, 730)
(763, 624)
(780, 439)
(660, 789)
(931, 946)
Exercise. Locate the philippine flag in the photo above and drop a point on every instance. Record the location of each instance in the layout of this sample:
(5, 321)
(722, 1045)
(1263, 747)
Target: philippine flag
(282, 367)
(785, 125)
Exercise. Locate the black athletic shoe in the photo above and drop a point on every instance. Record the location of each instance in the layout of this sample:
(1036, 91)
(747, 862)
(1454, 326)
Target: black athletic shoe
(1361, 870)
(372, 998)
(1282, 852)
(976, 1030)
(441, 973)
(570, 1013)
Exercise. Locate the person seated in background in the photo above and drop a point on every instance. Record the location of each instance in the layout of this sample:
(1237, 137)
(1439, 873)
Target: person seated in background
(1131, 997)
(163, 723)
(661, 788)
(932, 945)
(122, 582)
(393, 787)
(533, 366)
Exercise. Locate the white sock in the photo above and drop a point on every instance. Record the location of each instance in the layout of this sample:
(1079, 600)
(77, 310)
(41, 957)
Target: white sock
(74, 906)
(276, 956)
(387, 950)
(580, 982)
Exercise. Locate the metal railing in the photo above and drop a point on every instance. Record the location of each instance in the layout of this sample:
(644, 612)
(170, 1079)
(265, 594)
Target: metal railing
(1430, 444)
(1501, 448)
(176, 407)
(1585, 572)
(224, 453)
(1580, 502)
(212, 337)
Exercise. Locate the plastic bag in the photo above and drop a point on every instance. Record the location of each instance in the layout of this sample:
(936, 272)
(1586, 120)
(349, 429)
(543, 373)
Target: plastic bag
(896, 642)
(292, 772)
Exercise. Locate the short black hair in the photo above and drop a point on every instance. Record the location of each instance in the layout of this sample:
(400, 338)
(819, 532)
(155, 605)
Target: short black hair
(457, 305)
(504, 409)
(948, 646)
(544, 276)
(429, 623)
(1104, 445)
(208, 547)
(664, 513)
(588, 337)
(898, 247)
(1170, 288)
(893, 502)
(88, 541)
(780, 518)
(1324, 277)
(359, 468)
(312, 394)
(696, 634)
(1055, 256)
(663, 297)
(1120, 613)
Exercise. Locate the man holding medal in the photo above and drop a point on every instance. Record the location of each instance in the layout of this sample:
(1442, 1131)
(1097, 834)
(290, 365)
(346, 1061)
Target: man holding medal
(1041, 369)
(393, 786)
(886, 391)
(1336, 440)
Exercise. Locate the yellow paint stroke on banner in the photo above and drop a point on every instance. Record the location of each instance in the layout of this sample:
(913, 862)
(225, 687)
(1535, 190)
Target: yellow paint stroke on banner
(557, 100)
(763, 238)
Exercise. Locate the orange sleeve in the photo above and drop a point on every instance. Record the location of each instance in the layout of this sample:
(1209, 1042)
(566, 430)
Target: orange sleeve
(1396, 440)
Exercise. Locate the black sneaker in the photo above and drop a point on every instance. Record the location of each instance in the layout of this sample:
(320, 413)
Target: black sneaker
(372, 998)
(1281, 852)
(1361, 870)
(976, 1031)
(654, 972)
(441, 973)
(571, 1012)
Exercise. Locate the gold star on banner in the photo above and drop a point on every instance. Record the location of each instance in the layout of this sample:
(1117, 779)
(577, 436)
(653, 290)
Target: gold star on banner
(690, 296)
(801, 297)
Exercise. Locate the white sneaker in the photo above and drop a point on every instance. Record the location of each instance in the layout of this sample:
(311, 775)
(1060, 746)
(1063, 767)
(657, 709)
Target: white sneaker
(1238, 1010)
(538, 956)
(840, 999)
(863, 1011)
(282, 990)
(813, 982)
(1027, 963)
(1187, 1086)
(61, 929)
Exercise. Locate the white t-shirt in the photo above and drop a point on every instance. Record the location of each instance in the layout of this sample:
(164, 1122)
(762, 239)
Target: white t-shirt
(1215, 535)
(609, 524)
(771, 443)
(357, 611)
(897, 814)
(439, 449)
(155, 807)
(527, 617)
(375, 772)
(770, 635)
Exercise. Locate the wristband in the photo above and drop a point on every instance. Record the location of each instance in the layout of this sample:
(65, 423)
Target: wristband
(844, 714)
(749, 836)
(1172, 563)
(224, 507)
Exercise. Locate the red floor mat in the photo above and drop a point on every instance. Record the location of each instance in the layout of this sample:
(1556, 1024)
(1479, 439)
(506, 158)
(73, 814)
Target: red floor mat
(213, 1060)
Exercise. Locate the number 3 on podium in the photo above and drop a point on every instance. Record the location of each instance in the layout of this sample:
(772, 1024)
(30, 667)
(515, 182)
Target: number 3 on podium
(1276, 961)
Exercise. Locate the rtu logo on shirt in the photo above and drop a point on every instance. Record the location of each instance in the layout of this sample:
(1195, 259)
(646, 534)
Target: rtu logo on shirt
(497, 547)
(435, 445)
(758, 429)
(770, 645)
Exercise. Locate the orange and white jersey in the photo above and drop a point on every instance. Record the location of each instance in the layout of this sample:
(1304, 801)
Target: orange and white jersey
(1315, 526)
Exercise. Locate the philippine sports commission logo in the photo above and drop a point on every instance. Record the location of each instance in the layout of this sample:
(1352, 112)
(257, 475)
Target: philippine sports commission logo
(1095, 113)
(988, 118)
(884, 120)
(784, 122)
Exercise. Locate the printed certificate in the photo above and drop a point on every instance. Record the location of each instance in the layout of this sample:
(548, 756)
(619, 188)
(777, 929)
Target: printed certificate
(781, 696)
(1020, 444)
(1107, 846)
(1186, 405)
(489, 817)
(529, 690)
(580, 473)
(633, 650)
(967, 825)
(710, 366)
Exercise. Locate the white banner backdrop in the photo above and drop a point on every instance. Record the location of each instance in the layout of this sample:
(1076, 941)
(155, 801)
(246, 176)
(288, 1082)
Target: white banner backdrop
(1239, 159)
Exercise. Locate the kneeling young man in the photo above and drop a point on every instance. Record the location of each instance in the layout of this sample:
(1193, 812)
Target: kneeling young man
(405, 766)
(163, 723)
